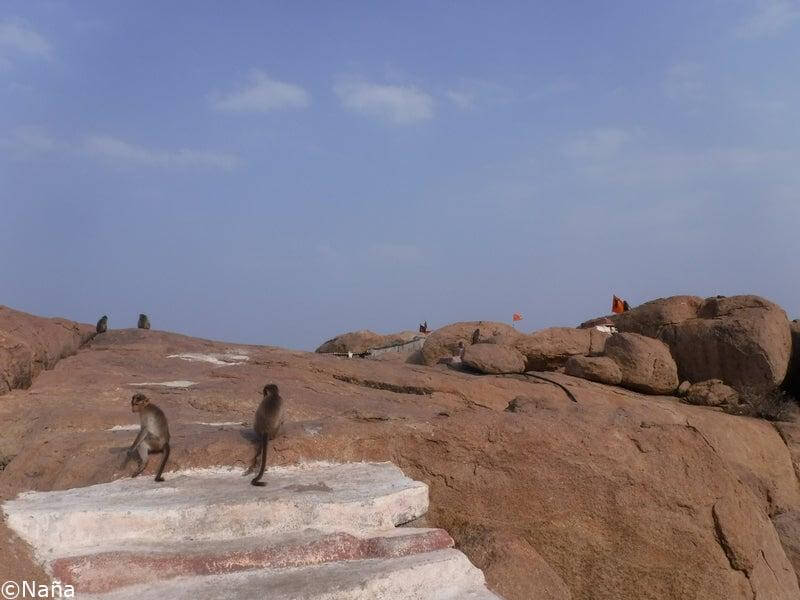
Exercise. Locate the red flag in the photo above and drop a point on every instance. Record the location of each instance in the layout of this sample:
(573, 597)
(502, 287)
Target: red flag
(617, 305)
(516, 317)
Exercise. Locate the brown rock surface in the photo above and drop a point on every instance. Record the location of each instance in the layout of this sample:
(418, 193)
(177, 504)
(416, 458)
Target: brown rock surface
(549, 349)
(616, 497)
(711, 393)
(493, 358)
(444, 341)
(743, 340)
(363, 340)
(754, 549)
(649, 318)
(31, 344)
(790, 434)
(601, 369)
(788, 527)
(645, 363)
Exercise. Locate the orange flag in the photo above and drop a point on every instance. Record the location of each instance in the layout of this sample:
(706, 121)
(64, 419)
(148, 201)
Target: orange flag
(617, 305)
(516, 317)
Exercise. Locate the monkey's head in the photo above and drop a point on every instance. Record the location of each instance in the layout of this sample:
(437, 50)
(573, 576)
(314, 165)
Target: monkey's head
(142, 316)
(138, 402)
(104, 318)
(271, 390)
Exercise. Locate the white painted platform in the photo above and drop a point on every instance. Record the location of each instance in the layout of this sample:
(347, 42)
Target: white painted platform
(439, 575)
(214, 504)
(317, 531)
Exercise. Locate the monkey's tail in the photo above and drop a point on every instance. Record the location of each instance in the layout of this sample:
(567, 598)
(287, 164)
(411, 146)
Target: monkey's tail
(163, 463)
(569, 394)
(257, 479)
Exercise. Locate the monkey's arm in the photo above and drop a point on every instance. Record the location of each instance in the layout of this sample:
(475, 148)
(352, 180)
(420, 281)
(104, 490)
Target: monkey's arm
(138, 440)
(133, 450)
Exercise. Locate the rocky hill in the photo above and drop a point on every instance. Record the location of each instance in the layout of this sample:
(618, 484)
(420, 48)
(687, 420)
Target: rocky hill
(627, 493)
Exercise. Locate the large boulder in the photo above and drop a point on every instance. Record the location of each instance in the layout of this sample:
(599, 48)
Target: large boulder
(549, 349)
(493, 358)
(444, 341)
(601, 369)
(649, 318)
(363, 340)
(646, 363)
(31, 344)
(743, 340)
(712, 392)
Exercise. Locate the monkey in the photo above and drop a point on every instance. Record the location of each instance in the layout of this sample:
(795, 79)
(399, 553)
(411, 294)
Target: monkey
(476, 336)
(102, 324)
(144, 322)
(269, 418)
(153, 434)
(461, 350)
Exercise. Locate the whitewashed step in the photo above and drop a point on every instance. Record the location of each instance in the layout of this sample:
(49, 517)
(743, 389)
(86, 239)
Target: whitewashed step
(135, 563)
(439, 575)
(317, 531)
(216, 504)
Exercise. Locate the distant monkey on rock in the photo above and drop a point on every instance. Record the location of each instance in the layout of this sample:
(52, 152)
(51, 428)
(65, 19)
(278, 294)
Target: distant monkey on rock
(269, 418)
(144, 322)
(476, 336)
(153, 434)
(102, 324)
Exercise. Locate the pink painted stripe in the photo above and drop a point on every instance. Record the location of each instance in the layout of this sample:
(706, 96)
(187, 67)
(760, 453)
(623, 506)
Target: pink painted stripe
(98, 573)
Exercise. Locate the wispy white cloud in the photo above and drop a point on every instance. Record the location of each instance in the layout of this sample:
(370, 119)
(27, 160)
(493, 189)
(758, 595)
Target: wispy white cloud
(684, 82)
(27, 141)
(562, 85)
(652, 169)
(16, 87)
(461, 99)
(127, 154)
(402, 253)
(470, 93)
(261, 93)
(397, 104)
(16, 38)
(598, 144)
(771, 18)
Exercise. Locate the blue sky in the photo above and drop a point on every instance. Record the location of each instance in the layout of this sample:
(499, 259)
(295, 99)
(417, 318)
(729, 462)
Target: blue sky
(278, 173)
